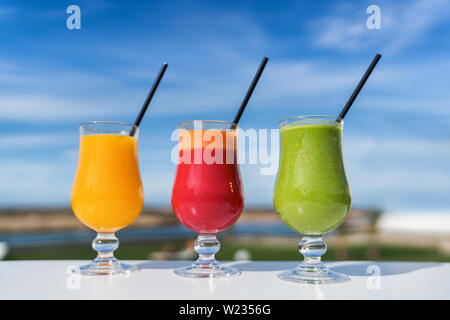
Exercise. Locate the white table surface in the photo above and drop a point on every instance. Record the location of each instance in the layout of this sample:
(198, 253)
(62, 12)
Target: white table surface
(51, 280)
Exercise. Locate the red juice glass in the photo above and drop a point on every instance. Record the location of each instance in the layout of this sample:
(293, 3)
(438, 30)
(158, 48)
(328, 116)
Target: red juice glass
(207, 195)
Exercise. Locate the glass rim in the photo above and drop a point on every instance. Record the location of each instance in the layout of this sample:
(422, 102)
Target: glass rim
(109, 122)
(311, 116)
(181, 124)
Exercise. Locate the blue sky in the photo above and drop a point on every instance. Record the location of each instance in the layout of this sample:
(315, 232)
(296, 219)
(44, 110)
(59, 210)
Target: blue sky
(396, 136)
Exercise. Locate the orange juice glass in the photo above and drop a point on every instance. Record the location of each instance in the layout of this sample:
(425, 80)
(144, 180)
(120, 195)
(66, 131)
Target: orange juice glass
(107, 193)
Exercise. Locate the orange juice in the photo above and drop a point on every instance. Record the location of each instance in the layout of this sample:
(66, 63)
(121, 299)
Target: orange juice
(107, 193)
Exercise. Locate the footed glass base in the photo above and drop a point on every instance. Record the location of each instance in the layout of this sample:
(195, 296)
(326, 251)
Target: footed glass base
(313, 275)
(312, 270)
(105, 263)
(213, 270)
(206, 266)
(107, 267)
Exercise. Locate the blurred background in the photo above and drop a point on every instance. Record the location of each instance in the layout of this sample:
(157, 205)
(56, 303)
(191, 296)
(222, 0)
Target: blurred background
(396, 137)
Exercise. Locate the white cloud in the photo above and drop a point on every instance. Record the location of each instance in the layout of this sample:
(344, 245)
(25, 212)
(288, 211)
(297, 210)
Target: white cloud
(15, 77)
(291, 82)
(340, 33)
(399, 172)
(438, 106)
(400, 146)
(25, 182)
(37, 94)
(26, 141)
(45, 108)
(408, 86)
(403, 24)
(293, 79)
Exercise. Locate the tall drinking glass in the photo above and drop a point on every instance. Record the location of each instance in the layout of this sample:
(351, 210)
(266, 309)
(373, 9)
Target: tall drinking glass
(312, 195)
(107, 193)
(207, 194)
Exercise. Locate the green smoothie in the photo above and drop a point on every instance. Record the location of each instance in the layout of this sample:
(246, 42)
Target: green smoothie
(312, 195)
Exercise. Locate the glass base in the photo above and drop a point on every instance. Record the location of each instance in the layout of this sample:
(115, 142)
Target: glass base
(115, 267)
(206, 266)
(313, 275)
(209, 271)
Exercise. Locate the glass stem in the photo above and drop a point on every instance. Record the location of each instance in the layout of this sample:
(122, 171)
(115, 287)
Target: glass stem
(206, 245)
(312, 247)
(105, 244)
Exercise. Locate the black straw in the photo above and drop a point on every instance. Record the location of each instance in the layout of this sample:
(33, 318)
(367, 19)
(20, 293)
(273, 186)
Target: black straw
(249, 92)
(149, 97)
(358, 87)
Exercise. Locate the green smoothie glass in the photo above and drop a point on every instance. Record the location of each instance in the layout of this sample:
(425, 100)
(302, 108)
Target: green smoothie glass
(312, 195)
